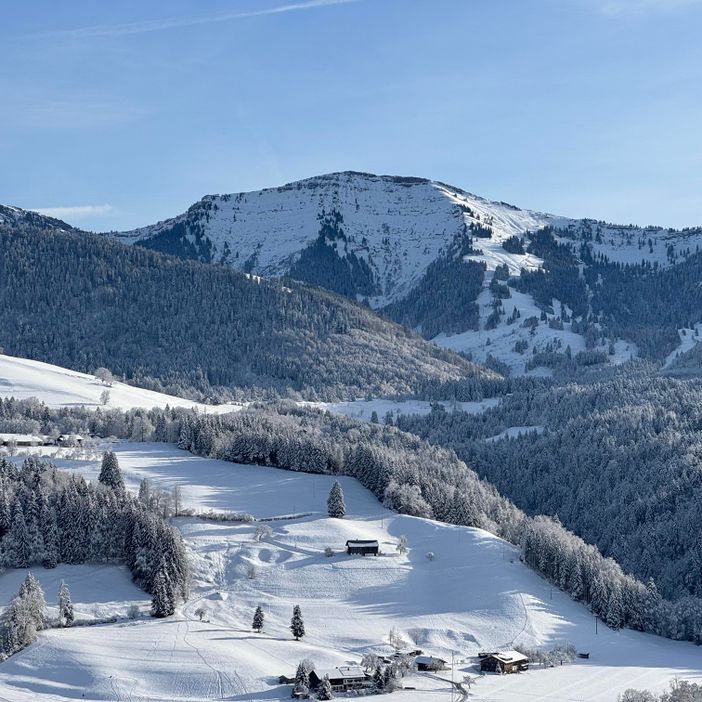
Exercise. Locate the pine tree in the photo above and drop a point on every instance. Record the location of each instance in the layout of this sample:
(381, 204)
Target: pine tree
(335, 502)
(33, 595)
(162, 599)
(110, 474)
(18, 546)
(258, 619)
(297, 626)
(65, 606)
(324, 692)
(302, 681)
(145, 491)
(49, 537)
(302, 675)
(5, 514)
(615, 612)
(23, 617)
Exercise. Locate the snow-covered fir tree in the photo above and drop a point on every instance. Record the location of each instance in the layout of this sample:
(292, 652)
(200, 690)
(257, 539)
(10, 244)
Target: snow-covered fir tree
(17, 544)
(297, 626)
(301, 686)
(324, 691)
(258, 618)
(145, 491)
(110, 474)
(23, 617)
(162, 598)
(379, 680)
(65, 606)
(335, 502)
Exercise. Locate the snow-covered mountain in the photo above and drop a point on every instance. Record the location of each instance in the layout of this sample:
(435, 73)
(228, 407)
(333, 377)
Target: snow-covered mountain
(400, 244)
(387, 229)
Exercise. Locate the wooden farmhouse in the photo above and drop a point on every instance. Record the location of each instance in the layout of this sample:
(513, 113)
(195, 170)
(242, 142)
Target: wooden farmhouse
(431, 663)
(343, 678)
(503, 662)
(360, 547)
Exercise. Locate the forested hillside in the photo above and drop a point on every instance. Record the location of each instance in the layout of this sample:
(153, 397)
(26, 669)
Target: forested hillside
(83, 301)
(619, 462)
(643, 302)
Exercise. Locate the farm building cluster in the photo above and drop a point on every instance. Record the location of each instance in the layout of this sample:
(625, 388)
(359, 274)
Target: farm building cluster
(22, 440)
(355, 678)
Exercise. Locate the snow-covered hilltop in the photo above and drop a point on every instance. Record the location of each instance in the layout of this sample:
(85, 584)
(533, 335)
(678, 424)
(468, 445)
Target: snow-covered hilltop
(393, 226)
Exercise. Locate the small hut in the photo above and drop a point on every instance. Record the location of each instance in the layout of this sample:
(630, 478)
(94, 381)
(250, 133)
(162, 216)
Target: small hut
(360, 547)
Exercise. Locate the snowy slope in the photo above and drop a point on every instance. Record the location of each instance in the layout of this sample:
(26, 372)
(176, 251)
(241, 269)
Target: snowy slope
(22, 378)
(475, 594)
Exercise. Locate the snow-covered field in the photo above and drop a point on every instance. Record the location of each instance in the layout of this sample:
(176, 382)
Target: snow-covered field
(515, 433)
(22, 378)
(363, 409)
(474, 595)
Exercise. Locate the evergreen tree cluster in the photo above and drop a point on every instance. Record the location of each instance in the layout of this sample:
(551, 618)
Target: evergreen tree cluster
(643, 302)
(444, 300)
(48, 517)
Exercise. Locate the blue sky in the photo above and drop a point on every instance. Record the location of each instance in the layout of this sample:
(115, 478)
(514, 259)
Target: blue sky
(126, 113)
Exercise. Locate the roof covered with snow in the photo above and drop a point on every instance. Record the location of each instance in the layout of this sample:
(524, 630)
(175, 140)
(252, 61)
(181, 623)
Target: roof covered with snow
(509, 656)
(343, 671)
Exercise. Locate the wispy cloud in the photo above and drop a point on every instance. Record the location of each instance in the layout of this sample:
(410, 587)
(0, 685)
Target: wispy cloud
(159, 25)
(27, 108)
(619, 8)
(77, 212)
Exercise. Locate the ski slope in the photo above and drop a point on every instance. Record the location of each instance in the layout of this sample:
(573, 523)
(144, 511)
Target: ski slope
(23, 378)
(474, 595)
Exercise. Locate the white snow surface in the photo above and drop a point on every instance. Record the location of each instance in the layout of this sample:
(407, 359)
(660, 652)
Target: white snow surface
(688, 339)
(363, 409)
(474, 595)
(515, 433)
(23, 378)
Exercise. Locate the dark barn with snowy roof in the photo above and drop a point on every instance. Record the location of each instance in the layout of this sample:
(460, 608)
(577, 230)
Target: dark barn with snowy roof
(360, 547)
(504, 662)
